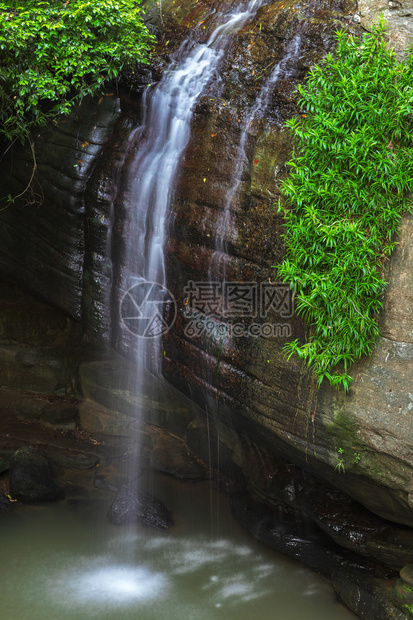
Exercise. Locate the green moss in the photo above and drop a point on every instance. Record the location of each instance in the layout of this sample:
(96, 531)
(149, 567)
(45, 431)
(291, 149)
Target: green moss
(402, 597)
(344, 430)
(407, 609)
(343, 433)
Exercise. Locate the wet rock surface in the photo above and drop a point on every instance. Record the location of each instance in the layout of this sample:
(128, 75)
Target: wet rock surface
(367, 588)
(134, 506)
(44, 231)
(61, 414)
(272, 480)
(5, 503)
(171, 455)
(398, 15)
(38, 347)
(367, 596)
(31, 478)
(284, 531)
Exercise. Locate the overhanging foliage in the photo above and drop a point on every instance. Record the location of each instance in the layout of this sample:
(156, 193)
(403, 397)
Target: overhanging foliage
(351, 174)
(53, 53)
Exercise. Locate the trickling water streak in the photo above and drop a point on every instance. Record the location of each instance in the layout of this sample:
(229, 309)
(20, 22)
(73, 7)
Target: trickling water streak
(217, 266)
(281, 70)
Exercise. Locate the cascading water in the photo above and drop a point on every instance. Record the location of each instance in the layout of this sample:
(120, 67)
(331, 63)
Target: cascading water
(161, 142)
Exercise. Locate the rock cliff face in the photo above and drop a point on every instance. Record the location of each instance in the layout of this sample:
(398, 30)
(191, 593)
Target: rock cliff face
(360, 443)
(45, 232)
(66, 242)
(398, 16)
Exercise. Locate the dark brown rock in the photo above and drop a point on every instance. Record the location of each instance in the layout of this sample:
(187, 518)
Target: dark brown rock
(31, 478)
(368, 597)
(134, 506)
(171, 456)
(44, 235)
(61, 413)
(5, 503)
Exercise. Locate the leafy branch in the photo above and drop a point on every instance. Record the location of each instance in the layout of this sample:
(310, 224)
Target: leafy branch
(53, 53)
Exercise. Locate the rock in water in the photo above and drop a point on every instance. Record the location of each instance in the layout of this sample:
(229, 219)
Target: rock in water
(5, 503)
(31, 478)
(134, 506)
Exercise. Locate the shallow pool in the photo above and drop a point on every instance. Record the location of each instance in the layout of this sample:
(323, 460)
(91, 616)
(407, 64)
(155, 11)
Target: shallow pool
(65, 561)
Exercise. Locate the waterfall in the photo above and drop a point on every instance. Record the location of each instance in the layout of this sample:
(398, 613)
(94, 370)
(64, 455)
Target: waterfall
(147, 307)
(160, 142)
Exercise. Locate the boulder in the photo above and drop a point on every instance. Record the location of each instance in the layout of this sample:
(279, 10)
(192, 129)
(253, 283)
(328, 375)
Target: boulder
(5, 503)
(397, 13)
(73, 459)
(59, 413)
(287, 532)
(121, 399)
(134, 506)
(368, 597)
(171, 456)
(95, 418)
(31, 479)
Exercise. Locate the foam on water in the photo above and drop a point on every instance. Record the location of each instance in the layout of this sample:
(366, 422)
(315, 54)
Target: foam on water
(105, 583)
(98, 584)
(239, 587)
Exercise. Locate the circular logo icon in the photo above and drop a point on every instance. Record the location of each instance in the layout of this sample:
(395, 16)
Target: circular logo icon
(148, 310)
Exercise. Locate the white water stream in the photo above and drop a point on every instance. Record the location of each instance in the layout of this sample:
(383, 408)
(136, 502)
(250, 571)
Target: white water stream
(282, 70)
(161, 140)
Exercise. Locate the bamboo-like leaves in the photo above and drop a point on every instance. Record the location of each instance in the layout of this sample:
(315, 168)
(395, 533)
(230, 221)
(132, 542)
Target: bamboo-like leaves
(351, 175)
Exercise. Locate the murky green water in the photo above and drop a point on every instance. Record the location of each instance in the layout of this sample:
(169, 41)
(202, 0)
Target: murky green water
(66, 562)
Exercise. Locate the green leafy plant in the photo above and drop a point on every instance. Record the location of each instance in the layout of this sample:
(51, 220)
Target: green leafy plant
(351, 171)
(53, 53)
(340, 466)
